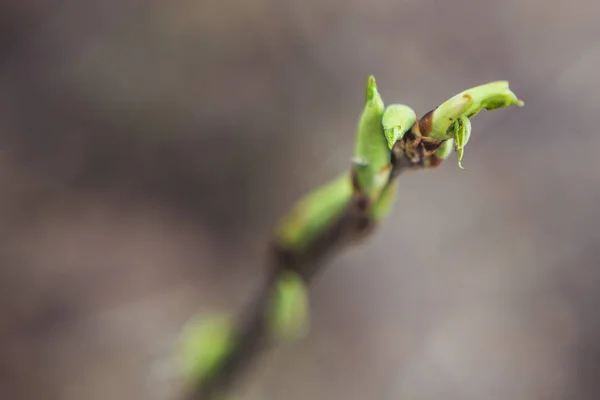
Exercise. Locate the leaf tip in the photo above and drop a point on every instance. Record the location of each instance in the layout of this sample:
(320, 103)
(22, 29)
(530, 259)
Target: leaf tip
(371, 92)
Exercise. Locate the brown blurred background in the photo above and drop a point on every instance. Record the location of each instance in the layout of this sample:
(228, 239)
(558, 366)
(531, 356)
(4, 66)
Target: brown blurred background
(147, 148)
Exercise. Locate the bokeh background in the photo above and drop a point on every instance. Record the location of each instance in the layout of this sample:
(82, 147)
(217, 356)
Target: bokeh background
(147, 149)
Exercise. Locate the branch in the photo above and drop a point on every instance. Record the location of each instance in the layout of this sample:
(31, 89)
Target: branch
(304, 246)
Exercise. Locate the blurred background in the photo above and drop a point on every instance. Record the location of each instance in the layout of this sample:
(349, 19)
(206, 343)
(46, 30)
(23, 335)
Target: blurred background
(147, 149)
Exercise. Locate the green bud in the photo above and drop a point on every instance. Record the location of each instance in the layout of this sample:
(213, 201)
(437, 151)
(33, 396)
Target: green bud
(371, 155)
(397, 120)
(314, 213)
(204, 345)
(289, 313)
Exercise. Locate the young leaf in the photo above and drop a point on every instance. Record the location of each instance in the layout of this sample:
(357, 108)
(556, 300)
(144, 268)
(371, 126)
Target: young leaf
(397, 120)
(462, 133)
(314, 213)
(371, 155)
(451, 119)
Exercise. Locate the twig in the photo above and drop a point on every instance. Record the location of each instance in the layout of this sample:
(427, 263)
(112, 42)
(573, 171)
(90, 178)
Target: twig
(353, 224)
(423, 143)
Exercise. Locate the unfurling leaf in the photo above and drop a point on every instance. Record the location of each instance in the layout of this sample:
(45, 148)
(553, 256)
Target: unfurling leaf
(371, 155)
(450, 119)
(313, 214)
(397, 120)
(462, 131)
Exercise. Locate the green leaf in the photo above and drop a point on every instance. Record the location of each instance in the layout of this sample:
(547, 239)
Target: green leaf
(462, 132)
(397, 120)
(205, 343)
(371, 155)
(451, 120)
(289, 315)
(468, 103)
(314, 213)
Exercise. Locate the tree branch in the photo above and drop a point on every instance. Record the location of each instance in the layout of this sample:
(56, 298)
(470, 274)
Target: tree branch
(252, 338)
(389, 144)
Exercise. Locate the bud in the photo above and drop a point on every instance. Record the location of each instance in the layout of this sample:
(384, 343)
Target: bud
(289, 307)
(371, 154)
(397, 120)
(205, 343)
(313, 214)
